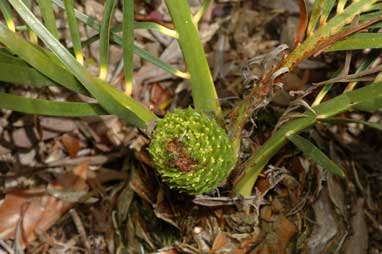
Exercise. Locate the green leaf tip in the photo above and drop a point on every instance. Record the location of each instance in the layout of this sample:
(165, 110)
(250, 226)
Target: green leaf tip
(191, 151)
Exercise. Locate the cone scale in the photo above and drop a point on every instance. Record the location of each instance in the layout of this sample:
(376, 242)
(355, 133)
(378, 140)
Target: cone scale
(191, 152)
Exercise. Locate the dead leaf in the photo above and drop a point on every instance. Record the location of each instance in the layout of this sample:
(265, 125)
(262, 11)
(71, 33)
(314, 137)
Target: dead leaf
(34, 211)
(278, 239)
(285, 230)
(57, 124)
(220, 241)
(266, 213)
(326, 228)
(72, 145)
(302, 24)
(252, 240)
(357, 243)
(26, 137)
(160, 97)
(142, 185)
(163, 209)
(336, 193)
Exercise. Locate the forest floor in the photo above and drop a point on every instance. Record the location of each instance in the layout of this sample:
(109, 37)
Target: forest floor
(85, 185)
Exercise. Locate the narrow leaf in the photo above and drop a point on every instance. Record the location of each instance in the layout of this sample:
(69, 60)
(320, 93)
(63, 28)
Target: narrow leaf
(128, 43)
(325, 89)
(340, 6)
(370, 15)
(104, 42)
(137, 50)
(256, 163)
(367, 62)
(32, 36)
(371, 105)
(22, 74)
(322, 38)
(198, 16)
(344, 34)
(339, 120)
(147, 25)
(203, 90)
(303, 22)
(36, 57)
(321, 95)
(7, 13)
(155, 27)
(314, 17)
(47, 13)
(49, 108)
(327, 7)
(358, 41)
(74, 32)
(315, 154)
(154, 60)
(108, 96)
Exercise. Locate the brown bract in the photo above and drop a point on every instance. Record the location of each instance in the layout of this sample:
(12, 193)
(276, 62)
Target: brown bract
(72, 145)
(181, 160)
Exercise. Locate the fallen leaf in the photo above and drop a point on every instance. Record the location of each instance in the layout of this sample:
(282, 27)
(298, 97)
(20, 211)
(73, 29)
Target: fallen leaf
(163, 209)
(358, 242)
(142, 184)
(326, 227)
(278, 238)
(57, 124)
(34, 211)
(220, 241)
(285, 230)
(26, 137)
(160, 97)
(72, 145)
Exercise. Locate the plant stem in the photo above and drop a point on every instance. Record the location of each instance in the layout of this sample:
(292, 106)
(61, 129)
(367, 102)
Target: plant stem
(366, 98)
(258, 161)
(203, 89)
(315, 43)
(323, 34)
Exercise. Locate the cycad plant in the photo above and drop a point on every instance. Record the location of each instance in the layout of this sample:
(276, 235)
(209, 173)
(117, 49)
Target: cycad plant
(191, 148)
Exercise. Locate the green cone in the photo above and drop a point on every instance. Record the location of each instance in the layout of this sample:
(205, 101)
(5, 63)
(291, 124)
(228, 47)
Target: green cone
(191, 152)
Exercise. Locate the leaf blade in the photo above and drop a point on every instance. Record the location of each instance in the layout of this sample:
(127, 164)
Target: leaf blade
(23, 75)
(203, 89)
(324, 33)
(47, 13)
(35, 56)
(128, 43)
(108, 96)
(255, 164)
(343, 120)
(49, 108)
(137, 50)
(358, 41)
(315, 154)
(105, 37)
(74, 32)
(7, 13)
(327, 7)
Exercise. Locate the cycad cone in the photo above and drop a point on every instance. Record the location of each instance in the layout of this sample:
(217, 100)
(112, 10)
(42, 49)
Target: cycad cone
(191, 152)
